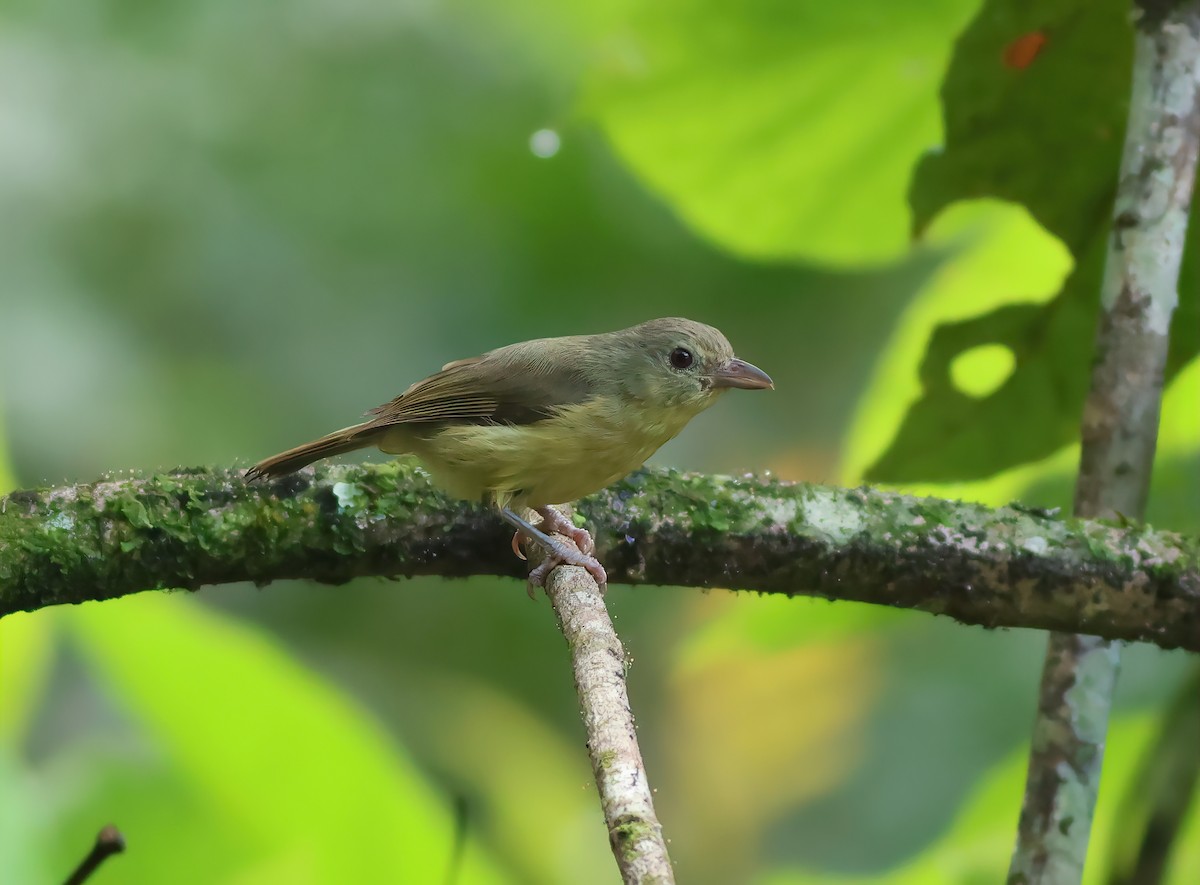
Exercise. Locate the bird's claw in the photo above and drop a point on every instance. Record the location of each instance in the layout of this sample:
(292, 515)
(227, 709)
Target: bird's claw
(582, 539)
(555, 523)
(578, 553)
(538, 575)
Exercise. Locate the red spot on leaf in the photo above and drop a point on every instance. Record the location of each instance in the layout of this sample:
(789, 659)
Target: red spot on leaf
(1020, 53)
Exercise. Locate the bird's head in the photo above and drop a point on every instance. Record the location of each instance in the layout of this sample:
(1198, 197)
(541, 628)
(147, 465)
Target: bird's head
(681, 364)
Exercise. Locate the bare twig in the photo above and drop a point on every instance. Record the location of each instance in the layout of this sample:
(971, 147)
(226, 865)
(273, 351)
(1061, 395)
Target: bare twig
(999, 567)
(109, 841)
(598, 662)
(1120, 423)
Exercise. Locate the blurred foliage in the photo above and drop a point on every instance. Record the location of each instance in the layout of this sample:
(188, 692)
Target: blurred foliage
(984, 235)
(761, 121)
(1158, 801)
(222, 759)
(975, 848)
(1035, 98)
(232, 226)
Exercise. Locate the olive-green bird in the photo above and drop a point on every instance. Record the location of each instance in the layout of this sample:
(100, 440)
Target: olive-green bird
(548, 421)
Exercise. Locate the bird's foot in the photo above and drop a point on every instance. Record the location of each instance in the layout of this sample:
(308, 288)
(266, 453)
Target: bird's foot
(558, 552)
(555, 523)
(567, 556)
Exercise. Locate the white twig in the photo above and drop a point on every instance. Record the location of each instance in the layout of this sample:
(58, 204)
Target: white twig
(1120, 424)
(598, 662)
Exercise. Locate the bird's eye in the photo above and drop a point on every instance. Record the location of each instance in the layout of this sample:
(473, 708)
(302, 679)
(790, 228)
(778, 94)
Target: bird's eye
(681, 358)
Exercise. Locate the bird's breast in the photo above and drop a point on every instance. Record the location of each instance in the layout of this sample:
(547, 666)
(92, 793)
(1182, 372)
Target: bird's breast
(578, 451)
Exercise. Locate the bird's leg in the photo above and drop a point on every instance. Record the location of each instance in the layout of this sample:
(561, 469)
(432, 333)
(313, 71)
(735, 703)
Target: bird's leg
(555, 523)
(557, 553)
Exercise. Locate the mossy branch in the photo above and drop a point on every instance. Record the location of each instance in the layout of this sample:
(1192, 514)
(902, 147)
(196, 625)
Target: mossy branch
(1005, 567)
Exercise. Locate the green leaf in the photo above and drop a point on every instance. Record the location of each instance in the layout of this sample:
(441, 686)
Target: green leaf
(764, 123)
(981, 276)
(291, 763)
(1043, 129)
(1046, 135)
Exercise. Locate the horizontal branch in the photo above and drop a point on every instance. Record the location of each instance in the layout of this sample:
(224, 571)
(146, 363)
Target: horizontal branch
(1004, 567)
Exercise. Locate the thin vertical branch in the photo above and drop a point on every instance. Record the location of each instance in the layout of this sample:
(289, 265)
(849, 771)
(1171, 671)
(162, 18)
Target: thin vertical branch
(598, 662)
(1120, 423)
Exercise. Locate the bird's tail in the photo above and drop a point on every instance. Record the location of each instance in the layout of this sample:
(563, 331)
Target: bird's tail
(347, 440)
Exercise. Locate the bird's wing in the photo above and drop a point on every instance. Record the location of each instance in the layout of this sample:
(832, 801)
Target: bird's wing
(517, 388)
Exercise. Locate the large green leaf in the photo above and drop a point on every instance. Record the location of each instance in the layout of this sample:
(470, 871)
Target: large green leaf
(291, 765)
(1035, 101)
(981, 276)
(781, 129)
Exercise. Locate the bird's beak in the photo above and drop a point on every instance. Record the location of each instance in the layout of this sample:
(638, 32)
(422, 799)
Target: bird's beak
(739, 373)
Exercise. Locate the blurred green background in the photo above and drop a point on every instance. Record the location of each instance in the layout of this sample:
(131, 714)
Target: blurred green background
(231, 226)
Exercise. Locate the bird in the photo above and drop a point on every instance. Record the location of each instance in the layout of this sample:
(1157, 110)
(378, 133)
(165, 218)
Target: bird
(546, 422)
